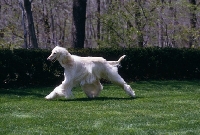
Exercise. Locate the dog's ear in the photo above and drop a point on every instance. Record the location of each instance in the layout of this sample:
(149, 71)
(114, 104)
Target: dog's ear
(67, 60)
(64, 61)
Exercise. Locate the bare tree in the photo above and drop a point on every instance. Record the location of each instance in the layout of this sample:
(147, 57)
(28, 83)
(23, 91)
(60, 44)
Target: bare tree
(174, 22)
(161, 24)
(193, 21)
(52, 23)
(0, 10)
(46, 22)
(138, 22)
(24, 24)
(98, 19)
(31, 28)
(107, 23)
(78, 24)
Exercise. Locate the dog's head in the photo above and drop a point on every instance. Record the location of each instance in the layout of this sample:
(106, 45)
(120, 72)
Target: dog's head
(58, 53)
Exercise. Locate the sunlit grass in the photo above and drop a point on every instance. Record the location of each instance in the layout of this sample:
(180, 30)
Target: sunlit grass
(161, 107)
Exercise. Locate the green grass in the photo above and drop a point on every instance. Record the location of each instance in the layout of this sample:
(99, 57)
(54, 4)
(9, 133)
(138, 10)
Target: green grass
(161, 108)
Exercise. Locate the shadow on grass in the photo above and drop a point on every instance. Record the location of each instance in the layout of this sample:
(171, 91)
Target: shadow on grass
(39, 94)
(97, 99)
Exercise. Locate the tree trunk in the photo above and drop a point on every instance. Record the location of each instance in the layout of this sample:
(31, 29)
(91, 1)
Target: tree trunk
(98, 19)
(78, 25)
(46, 23)
(161, 26)
(174, 22)
(53, 37)
(27, 6)
(24, 25)
(138, 23)
(0, 10)
(62, 34)
(193, 22)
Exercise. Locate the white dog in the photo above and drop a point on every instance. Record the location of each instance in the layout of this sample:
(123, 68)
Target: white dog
(86, 72)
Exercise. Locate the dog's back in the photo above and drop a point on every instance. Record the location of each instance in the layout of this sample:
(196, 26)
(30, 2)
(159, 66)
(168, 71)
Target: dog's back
(92, 59)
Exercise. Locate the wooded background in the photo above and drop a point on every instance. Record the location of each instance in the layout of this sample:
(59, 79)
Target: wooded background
(108, 23)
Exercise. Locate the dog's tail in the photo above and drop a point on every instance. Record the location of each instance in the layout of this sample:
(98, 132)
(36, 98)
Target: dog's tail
(117, 63)
(121, 58)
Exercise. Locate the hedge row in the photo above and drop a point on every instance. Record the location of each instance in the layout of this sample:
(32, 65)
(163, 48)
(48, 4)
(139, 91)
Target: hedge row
(29, 67)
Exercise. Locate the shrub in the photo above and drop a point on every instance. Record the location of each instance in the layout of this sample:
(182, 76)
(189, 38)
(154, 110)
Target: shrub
(29, 67)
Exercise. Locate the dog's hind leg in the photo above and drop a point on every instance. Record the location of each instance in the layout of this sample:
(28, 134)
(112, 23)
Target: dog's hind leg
(117, 79)
(92, 90)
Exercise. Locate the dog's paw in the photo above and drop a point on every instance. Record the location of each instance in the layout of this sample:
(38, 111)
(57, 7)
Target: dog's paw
(51, 96)
(129, 90)
(132, 94)
(48, 97)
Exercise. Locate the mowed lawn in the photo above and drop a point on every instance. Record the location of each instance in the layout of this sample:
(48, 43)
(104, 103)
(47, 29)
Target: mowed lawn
(161, 108)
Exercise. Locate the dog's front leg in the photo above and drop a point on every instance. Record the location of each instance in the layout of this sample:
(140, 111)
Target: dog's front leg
(63, 90)
(53, 94)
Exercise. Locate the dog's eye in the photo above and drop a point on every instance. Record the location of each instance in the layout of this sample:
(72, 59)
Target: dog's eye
(54, 53)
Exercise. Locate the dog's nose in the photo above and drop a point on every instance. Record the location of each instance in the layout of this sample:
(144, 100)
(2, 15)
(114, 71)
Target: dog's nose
(48, 58)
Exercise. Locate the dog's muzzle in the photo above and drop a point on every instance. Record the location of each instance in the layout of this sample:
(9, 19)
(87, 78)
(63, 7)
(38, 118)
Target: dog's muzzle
(52, 60)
